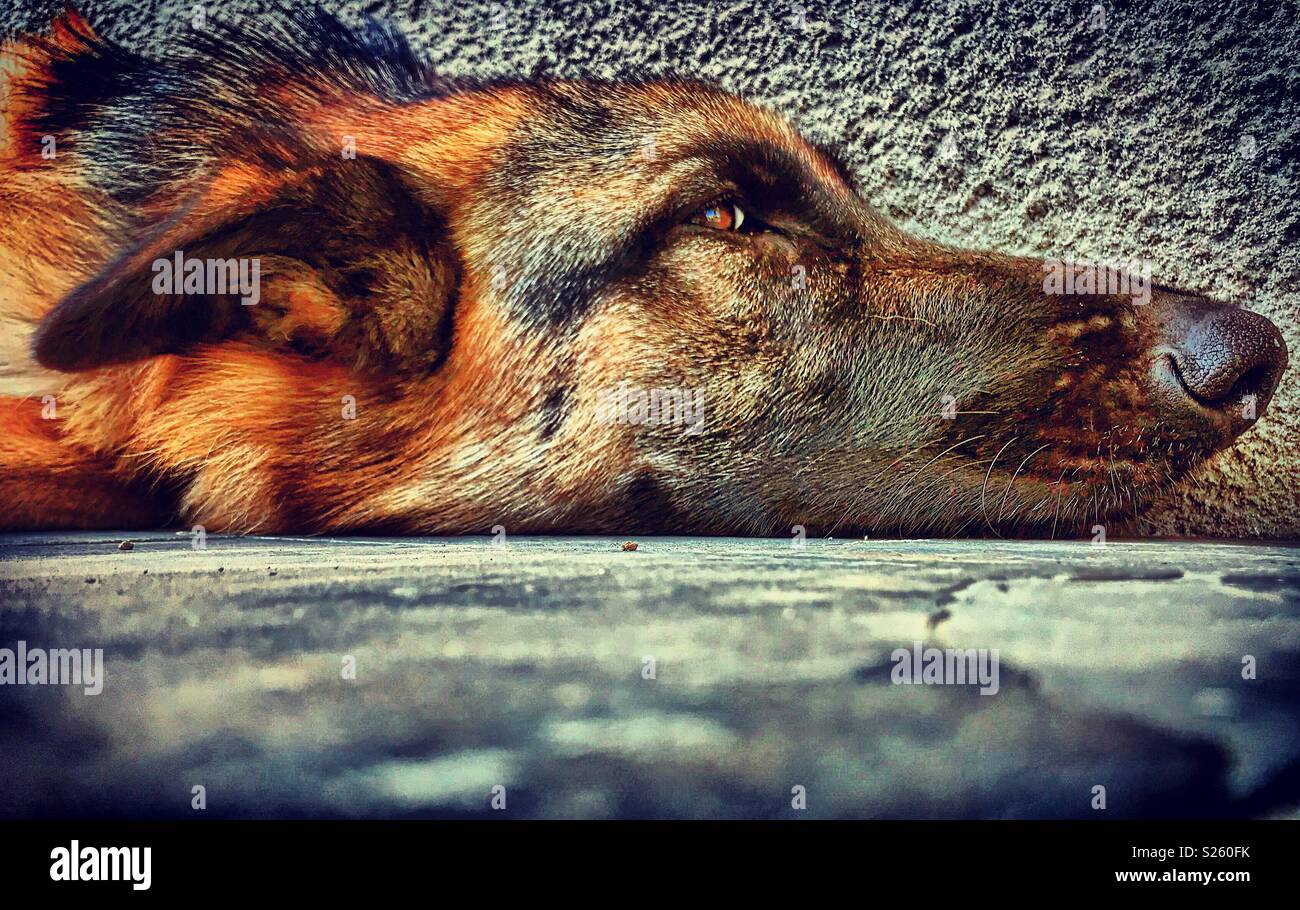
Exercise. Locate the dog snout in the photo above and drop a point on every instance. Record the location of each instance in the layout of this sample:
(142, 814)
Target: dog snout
(1215, 366)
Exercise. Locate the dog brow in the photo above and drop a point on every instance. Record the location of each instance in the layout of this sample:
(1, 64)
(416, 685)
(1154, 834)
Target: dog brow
(784, 178)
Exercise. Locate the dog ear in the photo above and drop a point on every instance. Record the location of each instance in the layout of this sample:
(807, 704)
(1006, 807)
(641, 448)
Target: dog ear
(333, 259)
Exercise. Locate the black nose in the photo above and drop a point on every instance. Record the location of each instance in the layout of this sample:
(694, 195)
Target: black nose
(1216, 360)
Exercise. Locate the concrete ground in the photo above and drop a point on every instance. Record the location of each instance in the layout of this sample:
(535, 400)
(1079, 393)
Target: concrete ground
(691, 677)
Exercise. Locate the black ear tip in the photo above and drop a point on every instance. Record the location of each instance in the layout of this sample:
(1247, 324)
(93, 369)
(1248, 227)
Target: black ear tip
(62, 340)
(50, 347)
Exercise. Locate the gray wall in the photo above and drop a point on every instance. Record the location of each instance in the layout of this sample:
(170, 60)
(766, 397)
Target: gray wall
(1071, 140)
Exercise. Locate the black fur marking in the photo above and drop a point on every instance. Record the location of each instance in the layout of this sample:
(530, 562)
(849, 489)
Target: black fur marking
(554, 411)
(561, 296)
(85, 80)
(649, 507)
(318, 49)
(557, 288)
(827, 391)
(141, 125)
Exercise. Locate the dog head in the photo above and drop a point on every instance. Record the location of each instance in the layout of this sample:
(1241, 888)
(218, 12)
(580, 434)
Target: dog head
(599, 306)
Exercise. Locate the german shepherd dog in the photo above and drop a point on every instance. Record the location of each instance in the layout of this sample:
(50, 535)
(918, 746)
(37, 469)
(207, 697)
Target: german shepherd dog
(291, 280)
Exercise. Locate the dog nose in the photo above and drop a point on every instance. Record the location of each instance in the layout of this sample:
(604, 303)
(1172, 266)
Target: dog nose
(1215, 362)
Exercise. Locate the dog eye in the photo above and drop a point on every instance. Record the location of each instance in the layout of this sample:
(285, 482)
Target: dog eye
(725, 216)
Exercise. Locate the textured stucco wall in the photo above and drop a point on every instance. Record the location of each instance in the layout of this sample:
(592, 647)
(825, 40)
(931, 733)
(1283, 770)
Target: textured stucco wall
(1100, 136)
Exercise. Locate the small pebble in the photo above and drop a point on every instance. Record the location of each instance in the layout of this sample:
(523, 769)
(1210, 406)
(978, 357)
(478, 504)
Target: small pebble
(630, 546)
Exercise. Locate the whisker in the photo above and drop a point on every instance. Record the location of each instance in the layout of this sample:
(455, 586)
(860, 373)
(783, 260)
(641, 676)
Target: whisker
(984, 489)
(1006, 492)
(1057, 513)
(868, 490)
(917, 473)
